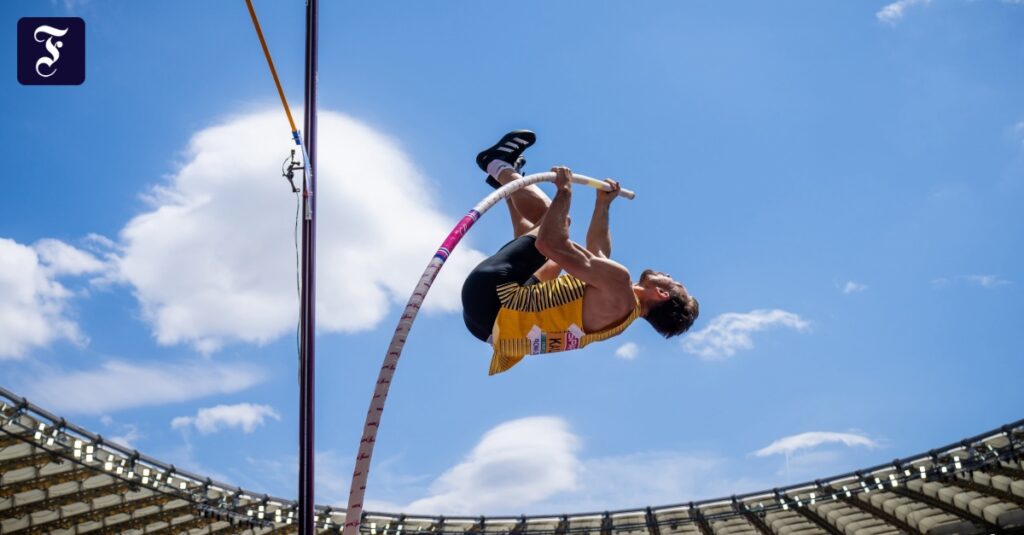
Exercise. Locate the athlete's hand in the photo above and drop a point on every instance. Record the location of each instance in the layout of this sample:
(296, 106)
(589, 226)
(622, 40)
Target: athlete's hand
(563, 178)
(606, 197)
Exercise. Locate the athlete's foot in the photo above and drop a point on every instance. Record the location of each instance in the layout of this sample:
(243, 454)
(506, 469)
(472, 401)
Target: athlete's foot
(508, 149)
(518, 166)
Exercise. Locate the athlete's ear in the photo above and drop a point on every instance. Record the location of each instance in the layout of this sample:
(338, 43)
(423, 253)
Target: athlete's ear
(663, 295)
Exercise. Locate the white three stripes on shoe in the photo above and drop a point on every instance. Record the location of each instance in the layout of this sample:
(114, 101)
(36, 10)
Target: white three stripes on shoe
(505, 149)
(520, 141)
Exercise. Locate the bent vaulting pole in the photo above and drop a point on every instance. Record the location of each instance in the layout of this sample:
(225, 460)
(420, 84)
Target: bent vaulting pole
(307, 320)
(354, 513)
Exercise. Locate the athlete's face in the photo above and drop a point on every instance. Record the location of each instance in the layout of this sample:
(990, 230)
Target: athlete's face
(660, 284)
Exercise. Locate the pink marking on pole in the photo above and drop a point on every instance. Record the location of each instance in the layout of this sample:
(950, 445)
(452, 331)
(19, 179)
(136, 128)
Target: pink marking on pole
(455, 236)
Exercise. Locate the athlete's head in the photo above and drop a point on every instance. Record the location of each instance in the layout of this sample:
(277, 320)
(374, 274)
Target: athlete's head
(671, 310)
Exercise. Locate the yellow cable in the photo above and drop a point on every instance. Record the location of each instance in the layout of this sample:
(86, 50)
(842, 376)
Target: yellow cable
(270, 62)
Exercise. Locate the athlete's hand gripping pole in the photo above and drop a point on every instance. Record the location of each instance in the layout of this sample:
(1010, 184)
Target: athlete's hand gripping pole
(601, 185)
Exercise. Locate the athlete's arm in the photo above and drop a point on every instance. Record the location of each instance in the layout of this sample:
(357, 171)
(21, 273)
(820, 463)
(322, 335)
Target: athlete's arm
(599, 238)
(553, 242)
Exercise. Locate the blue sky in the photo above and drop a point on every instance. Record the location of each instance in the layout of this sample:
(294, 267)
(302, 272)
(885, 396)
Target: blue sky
(838, 183)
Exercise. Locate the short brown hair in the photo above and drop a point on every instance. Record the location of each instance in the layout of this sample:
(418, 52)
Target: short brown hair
(675, 315)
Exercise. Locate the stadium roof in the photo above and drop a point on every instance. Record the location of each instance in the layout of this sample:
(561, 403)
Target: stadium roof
(56, 477)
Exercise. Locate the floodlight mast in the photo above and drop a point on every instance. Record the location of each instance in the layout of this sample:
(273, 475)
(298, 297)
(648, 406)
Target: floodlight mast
(307, 320)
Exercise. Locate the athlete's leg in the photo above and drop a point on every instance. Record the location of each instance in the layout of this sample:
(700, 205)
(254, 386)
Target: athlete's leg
(520, 225)
(549, 271)
(526, 206)
(531, 202)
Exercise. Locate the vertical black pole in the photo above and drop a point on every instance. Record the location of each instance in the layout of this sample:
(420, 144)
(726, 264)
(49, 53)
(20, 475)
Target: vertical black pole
(307, 362)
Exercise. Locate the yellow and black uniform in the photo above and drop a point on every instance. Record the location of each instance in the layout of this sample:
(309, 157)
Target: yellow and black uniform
(504, 305)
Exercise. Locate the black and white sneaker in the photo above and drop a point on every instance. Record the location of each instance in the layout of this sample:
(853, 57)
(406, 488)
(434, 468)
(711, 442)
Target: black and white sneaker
(508, 149)
(493, 182)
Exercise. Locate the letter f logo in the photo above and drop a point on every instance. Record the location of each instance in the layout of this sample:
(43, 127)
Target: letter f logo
(51, 47)
(51, 51)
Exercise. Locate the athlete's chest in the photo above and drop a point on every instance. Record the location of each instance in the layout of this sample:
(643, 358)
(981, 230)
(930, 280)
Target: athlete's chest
(602, 311)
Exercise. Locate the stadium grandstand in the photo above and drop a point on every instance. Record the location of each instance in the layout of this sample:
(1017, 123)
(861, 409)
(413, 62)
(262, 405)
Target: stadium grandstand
(56, 477)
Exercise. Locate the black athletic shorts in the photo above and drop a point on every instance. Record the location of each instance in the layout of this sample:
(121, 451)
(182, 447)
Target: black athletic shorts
(515, 262)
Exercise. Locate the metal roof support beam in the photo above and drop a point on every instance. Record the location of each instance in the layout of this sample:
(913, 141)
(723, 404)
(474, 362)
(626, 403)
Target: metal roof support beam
(752, 518)
(478, 528)
(44, 482)
(37, 460)
(951, 509)
(55, 502)
(196, 523)
(14, 438)
(238, 528)
(1000, 470)
(520, 527)
(814, 517)
(702, 523)
(563, 526)
(989, 491)
(93, 515)
(141, 521)
(399, 523)
(867, 507)
(652, 522)
(755, 520)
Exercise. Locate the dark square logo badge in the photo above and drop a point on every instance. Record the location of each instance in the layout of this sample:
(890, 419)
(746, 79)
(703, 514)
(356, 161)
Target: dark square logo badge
(51, 51)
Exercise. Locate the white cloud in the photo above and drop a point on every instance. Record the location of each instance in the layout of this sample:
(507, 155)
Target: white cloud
(122, 434)
(120, 385)
(72, 5)
(627, 351)
(790, 444)
(648, 478)
(245, 416)
(730, 332)
(60, 258)
(214, 261)
(535, 463)
(516, 464)
(33, 304)
(892, 13)
(184, 455)
(852, 287)
(985, 281)
(127, 437)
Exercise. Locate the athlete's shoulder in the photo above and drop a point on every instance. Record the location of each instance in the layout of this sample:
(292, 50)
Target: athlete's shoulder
(569, 281)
